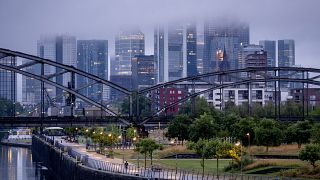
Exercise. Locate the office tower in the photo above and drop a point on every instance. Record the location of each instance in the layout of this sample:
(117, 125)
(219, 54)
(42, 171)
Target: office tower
(92, 57)
(270, 48)
(251, 56)
(175, 51)
(143, 71)
(191, 30)
(222, 36)
(61, 49)
(286, 57)
(200, 46)
(8, 82)
(127, 44)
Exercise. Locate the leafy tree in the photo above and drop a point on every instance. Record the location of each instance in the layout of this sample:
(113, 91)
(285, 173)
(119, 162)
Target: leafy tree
(203, 128)
(222, 150)
(310, 153)
(7, 108)
(204, 148)
(144, 106)
(299, 132)
(242, 128)
(178, 128)
(201, 107)
(268, 134)
(315, 133)
(229, 120)
(147, 146)
(291, 109)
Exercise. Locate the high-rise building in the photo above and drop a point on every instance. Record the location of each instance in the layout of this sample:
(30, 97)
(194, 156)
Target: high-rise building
(61, 49)
(200, 45)
(191, 30)
(286, 58)
(127, 45)
(175, 51)
(223, 36)
(270, 48)
(8, 81)
(92, 57)
(251, 56)
(143, 71)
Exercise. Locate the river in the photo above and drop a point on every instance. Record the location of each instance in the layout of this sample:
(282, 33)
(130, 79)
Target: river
(17, 164)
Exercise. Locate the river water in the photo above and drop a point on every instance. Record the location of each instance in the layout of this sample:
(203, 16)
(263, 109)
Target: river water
(17, 164)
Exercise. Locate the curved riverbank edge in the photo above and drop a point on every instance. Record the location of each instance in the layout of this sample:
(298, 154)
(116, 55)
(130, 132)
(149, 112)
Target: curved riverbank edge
(15, 144)
(65, 167)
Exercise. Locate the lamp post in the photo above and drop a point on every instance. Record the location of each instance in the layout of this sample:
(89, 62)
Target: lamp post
(239, 144)
(249, 143)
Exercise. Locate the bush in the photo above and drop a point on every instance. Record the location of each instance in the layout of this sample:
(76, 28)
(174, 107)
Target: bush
(237, 165)
(310, 153)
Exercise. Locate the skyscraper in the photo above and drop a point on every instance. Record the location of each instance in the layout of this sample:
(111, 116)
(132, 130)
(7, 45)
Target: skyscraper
(252, 56)
(222, 36)
(286, 57)
(191, 30)
(92, 57)
(127, 44)
(270, 48)
(175, 51)
(8, 81)
(143, 71)
(200, 45)
(61, 49)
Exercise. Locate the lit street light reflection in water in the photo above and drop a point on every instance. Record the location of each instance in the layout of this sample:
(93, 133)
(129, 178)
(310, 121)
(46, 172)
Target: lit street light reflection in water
(16, 164)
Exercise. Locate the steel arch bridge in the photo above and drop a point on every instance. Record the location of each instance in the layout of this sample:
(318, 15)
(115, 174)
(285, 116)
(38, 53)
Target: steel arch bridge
(249, 77)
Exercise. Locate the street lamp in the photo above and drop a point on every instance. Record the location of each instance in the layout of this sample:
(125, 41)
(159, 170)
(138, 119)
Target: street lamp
(239, 144)
(248, 135)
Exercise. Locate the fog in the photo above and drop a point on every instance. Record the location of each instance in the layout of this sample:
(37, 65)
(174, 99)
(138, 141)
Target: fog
(23, 21)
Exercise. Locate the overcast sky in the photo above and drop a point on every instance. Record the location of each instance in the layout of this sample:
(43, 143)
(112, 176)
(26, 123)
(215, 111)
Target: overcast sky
(23, 21)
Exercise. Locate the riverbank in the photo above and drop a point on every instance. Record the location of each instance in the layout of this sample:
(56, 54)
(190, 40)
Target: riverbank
(22, 144)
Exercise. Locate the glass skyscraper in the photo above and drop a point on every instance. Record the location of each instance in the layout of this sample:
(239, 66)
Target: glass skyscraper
(223, 36)
(270, 48)
(92, 57)
(127, 45)
(61, 49)
(286, 57)
(175, 51)
(8, 80)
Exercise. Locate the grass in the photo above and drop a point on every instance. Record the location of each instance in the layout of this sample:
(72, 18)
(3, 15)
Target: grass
(274, 162)
(187, 164)
(286, 149)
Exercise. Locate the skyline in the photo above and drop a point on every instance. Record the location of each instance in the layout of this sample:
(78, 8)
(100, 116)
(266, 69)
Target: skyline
(274, 20)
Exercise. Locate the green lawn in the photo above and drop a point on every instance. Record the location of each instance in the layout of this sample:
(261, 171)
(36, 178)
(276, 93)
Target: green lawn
(187, 164)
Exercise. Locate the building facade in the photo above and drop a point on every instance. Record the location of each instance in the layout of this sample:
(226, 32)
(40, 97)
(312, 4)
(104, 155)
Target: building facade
(61, 49)
(175, 51)
(92, 57)
(8, 80)
(220, 36)
(143, 71)
(128, 44)
(286, 58)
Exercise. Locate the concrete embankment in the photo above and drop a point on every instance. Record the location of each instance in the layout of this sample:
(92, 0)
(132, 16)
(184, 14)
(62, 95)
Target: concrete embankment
(65, 167)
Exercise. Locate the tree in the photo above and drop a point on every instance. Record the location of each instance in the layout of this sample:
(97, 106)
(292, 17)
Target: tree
(7, 108)
(203, 127)
(310, 153)
(201, 107)
(178, 128)
(268, 134)
(315, 133)
(228, 122)
(242, 128)
(204, 148)
(147, 146)
(299, 132)
(144, 106)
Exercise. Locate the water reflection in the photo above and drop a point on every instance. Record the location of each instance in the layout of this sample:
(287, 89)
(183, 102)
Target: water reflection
(16, 164)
